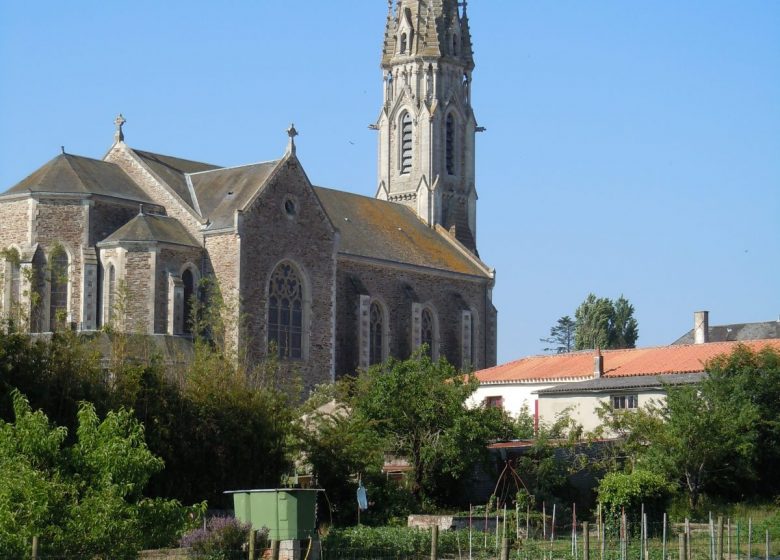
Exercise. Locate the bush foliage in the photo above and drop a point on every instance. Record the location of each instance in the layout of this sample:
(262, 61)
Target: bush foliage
(83, 499)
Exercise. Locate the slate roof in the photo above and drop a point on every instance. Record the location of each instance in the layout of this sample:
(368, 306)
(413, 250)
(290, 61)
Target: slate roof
(173, 171)
(152, 228)
(660, 360)
(68, 174)
(222, 191)
(618, 383)
(737, 331)
(368, 227)
(389, 231)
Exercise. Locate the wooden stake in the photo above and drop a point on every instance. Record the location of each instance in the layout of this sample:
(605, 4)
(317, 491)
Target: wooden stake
(663, 540)
(252, 538)
(434, 542)
(585, 541)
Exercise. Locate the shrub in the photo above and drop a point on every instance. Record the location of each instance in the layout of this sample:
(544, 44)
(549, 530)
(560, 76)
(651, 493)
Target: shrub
(223, 538)
(630, 490)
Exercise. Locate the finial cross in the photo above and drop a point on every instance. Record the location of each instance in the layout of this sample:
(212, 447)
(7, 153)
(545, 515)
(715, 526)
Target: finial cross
(292, 133)
(119, 121)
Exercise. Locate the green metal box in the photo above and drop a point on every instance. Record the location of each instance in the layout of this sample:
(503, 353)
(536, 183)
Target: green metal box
(288, 513)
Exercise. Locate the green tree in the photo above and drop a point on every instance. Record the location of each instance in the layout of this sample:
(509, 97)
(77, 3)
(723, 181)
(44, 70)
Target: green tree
(602, 323)
(83, 500)
(624, 328)
(418, 408)
(706, 438)
(561, 339)
(748, 379)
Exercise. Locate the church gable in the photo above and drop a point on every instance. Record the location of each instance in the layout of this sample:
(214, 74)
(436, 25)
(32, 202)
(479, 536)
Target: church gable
(286, 235)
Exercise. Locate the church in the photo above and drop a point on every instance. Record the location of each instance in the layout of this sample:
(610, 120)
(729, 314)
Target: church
(332, 281)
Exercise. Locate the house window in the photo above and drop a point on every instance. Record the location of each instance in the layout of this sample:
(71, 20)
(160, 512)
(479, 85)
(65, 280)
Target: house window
(450, 144)
(285, 312)
(58, 294)
(188, 284)
(625, 402)
(376, 336)
(494, 402)
(406, 143)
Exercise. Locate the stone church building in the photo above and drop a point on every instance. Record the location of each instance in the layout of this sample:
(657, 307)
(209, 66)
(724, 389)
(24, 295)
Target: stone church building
(333, 281)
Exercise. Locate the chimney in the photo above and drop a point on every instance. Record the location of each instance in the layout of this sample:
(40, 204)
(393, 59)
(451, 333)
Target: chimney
(598, 364)
(701, 327)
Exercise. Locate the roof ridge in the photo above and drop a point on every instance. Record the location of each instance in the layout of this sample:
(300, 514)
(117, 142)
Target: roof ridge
(137, 151)
(274, 161)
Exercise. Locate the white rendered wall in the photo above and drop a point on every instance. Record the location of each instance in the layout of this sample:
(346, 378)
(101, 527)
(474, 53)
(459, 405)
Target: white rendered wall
(583, 407)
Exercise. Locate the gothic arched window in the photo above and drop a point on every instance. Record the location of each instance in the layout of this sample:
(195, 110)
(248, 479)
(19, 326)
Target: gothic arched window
(110, 294)
(376, 342)
(402, 50)
(427, 329)
(406, 142)
(285, 312)
(188, 283)
(454, 44)
(58, 289)
(449, 134)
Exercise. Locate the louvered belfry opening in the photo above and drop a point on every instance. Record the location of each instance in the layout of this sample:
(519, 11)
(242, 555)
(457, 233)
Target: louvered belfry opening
(406, 143)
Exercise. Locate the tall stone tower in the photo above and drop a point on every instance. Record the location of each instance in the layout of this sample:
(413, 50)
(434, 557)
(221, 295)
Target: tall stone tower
(426, 126)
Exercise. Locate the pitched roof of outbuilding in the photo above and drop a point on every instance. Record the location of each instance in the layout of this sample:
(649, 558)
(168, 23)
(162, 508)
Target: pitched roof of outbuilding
(71, 174)
(150, 228)
(737, 331)
(624, 383)
(660, 360)
(389, 231)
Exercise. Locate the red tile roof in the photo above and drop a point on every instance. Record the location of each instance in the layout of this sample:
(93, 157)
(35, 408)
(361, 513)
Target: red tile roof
(575, 366)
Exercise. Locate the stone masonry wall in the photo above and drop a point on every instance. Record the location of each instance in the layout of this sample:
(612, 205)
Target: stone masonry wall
(64, 222)
(306, 237)
(14, 222)
(138, 287)
(398, 289)
(224, 255)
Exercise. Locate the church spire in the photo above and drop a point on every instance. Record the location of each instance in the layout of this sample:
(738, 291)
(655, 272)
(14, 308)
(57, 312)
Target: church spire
(427, 126)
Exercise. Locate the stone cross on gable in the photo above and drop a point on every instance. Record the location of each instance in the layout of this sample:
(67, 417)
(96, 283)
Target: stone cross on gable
(119, 136)
(292, 133)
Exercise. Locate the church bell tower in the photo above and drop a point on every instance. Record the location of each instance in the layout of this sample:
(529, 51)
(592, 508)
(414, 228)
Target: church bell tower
(426, 126)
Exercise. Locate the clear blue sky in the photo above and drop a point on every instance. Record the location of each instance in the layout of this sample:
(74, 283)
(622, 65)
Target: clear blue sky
(631, 147)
